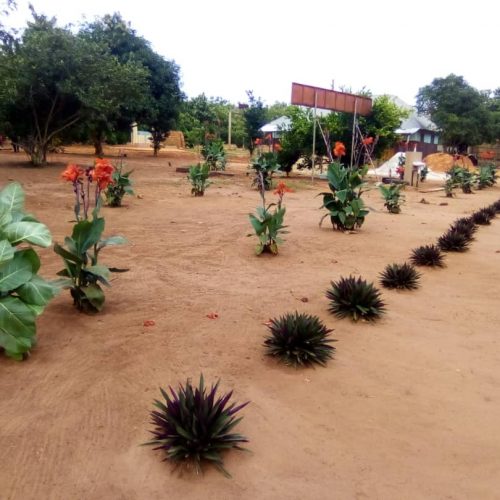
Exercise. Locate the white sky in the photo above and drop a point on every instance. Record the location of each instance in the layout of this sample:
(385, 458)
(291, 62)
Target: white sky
(225, 47)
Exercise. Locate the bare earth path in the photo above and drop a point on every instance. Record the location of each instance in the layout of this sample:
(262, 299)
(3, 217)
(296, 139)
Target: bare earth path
(409, 408)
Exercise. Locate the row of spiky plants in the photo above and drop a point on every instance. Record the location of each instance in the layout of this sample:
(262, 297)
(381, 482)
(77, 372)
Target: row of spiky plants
(193, 426)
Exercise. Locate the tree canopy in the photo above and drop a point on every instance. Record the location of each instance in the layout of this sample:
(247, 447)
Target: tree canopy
(462, 112)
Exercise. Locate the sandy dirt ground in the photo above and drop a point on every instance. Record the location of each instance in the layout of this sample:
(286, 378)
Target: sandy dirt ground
(408, 409)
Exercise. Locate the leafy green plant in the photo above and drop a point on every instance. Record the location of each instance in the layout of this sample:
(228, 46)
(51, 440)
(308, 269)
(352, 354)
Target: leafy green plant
(214, 155)
(344, 204)
(119, 187)
(80, 252)
(400, 276)
(264, 166)
(423, 173)
(193, 426)
(299, 340)
(462, 177)
(487, 176)
(198, 176)
(268, 224)
(454, 241)
(392, 196)
(427, 255)
(449, 186)
(355, 298)
(23, 293)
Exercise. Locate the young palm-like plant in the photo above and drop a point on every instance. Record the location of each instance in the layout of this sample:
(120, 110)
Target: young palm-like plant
(355, 298)
(427, 255)
(194, 426)
(299, 340)
(465, 225)
(400, 276)
(453, 241)
(482, 217)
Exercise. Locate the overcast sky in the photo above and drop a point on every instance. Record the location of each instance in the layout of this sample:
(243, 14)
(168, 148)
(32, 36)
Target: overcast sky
(225, 47)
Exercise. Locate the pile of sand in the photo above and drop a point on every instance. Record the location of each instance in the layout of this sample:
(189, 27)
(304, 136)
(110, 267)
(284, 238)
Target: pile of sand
(441, 162)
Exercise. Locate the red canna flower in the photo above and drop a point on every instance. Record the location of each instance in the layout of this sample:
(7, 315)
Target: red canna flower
(257, 141)
(102, 173)
(368, 141)
(339, 149)
(72, 173)
(278, 147)
(281, 189)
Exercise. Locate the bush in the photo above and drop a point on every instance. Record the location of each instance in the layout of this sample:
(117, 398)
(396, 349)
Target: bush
(264, 166)
(454, 241)
(427, 255)
(344, 204)
(355, 298)
(198, 176)
(393, 197)
(119, 187)
(193, 426)
(400, 276)
(482, 217)
(214, 155)
(23, 293)
(299, 340)
(466, 226)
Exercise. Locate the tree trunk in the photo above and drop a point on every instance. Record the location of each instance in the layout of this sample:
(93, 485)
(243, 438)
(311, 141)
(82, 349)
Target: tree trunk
(37, 151)
(98, 138)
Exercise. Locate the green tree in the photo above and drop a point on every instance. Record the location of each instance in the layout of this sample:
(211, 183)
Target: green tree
(52, 79)
(458, 109)
(255, 117)
(157, 106)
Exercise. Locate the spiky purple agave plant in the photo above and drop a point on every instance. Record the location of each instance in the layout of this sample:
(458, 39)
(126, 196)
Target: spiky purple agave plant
(427, 255)
(194, 426)
(483, 217)
(454, 241)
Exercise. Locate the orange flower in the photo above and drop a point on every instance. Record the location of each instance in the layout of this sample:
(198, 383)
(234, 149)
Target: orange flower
(102, 173)
(277, 147)
(72, 173)
(257, 141)
(368, 141)
(281, 189)
(339, 149)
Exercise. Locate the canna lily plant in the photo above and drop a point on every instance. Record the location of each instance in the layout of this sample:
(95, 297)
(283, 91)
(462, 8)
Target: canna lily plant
(268, 224)
(81, 250)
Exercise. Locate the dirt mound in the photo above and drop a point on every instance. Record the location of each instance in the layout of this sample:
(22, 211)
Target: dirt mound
(441, 162)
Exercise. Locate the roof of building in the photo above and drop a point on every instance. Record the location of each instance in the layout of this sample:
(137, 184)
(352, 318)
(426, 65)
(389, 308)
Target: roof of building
(281, 123)
(415, 121)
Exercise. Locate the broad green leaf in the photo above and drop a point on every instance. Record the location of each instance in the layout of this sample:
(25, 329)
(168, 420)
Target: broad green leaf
(36, 309)
(59, 250)
(87, 233)
(95, 295)
(17, 327)
(5, 214)
(13, 196)
(16, 271)
(31, 232)
(37, 291)
(6, 251)
(112, 240)
(32, 256)
(342, 195)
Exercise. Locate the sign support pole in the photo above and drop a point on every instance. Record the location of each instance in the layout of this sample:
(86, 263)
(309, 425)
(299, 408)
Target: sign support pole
(314, 135)
(354, 129)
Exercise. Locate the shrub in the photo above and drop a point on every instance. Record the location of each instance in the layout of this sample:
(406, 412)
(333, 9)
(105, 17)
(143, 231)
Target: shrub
(487, 176)
(344, 204)
(482, 217)
(23, 293)
(299, 340)
(427, 255)
(462, 177)
(466, 226)
(193, 426)
(496, 206)
(198, 176)
(268, 224)
(119, 187)
(454, 241)
(393, 197)
(80, 252)
(400, 276)
(355, 298)
(214, 155)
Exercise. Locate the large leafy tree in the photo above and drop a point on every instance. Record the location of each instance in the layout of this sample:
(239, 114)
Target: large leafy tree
(255, 117)
(458, 109)
(158, 106)
(51, 79)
